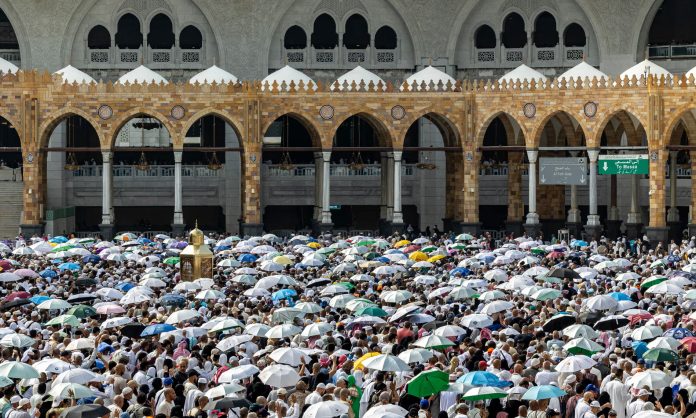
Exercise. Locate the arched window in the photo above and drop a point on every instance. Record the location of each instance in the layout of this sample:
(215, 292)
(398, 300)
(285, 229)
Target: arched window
(545, 34)
(574, 35)
(324, 35)
(8, 37)
(385, 38)
(484, 37)
(99, 38)
(673, 23)
(190, 38)
(295, 38)
(514, 35)
(161, 34)
(128, 35)
(356, 36)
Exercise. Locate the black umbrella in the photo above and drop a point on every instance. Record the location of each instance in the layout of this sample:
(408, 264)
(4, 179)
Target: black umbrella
(434, 324)
(558, 322)
(132, 330)
(15, 303)
(85, 282)
(589, 318)
(318, 282)
(563, 273)
(230, 403)
(85, 411)
(610, 323)
(84, 297)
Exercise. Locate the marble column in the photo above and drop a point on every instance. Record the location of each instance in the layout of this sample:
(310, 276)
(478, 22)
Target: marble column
(318, 177)
(326, 191)
(673, 212)
(593, 226)
(107, 224)
(178, 224)
(397, 216)
(634, 223)
(532, 226)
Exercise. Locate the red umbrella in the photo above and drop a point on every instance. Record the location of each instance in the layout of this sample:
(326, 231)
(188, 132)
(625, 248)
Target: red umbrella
(6, 265)
(554, 254)
(17, 295)
(639, 317)
(411, 248)
(689, 343)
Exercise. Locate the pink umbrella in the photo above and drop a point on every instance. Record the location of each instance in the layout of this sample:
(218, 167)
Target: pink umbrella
(110, 309)
(26, 273)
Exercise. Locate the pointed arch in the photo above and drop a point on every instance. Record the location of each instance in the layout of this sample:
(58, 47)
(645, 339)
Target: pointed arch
(52, 120)
(385, 138)
(119, 123)
(234, 123)
(303, 119)
(509, 123)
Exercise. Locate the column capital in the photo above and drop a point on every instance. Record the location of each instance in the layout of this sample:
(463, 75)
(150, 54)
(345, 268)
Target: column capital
(673, 154)
(593, 154)
(532, 155)
(178, 156)
(106, 156)
(397, 155)
(326, 156)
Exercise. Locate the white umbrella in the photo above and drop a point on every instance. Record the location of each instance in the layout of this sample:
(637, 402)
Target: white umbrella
(81, 376)
(602, 303)
(290, 356)
(283, 331)
(395, 296)
(132, 298)
(238, 373)
(497, 306)
(210, 294)
(187, 287)
(116, 322)
(316, 329)
(54, 305)
(449, 331)
(17, 341)
(81, 344)
(257, 330)
(231, 342)
(574, 364)
(415, 355)
(433, 341)
(495, 275)
(386, 363)
(182, 315)
(279, 376)
(225, 324)
(340, 301)
(476, 321)
(70, 391)
(652, 378)
(17, 370)
(109, 293)
(52, 365)
(647, 332)
(326, 409)
(668, 343)
(223, 390)
(665, 288)
(385, 411)
(580, 330)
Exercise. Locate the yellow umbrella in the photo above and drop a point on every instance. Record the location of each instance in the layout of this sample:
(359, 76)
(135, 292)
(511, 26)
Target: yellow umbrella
(436, 258)
(282, 259)
(359, 362)
(314, 245)
(402, 243)
(418, 256)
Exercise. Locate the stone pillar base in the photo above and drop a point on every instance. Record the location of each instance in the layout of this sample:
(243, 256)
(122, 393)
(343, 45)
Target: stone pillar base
(692, 230)
(657, 234)
(107, 231)
(470, 228)
(318, 227)
(397, 228)
(514, 227)
(178, 230)
(634, 231)
(593, 232)
(575, 229)
(613, 229)
(551, 226)
(675, 231)
(30, 230)
(532, 230)
(252, 229)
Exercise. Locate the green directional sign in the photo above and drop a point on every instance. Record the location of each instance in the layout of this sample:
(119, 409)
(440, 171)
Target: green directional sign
(623, 164)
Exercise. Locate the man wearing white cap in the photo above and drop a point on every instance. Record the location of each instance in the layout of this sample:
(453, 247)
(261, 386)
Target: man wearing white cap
(13, 406)
(637, 405)
(22, 410)
(315, 397)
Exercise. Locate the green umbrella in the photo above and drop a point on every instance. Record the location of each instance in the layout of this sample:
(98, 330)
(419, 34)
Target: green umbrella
(652, 281)
(371, 255)
(82, 311)
(372, 311)
(546, 294)
(347, 285)
(65, 247)
(538, 251)
(483, 393)
(428, 383)
(458, 246)
(464, 237)
(582, 345)
(63, 320)
(365, 243)
(428, 249)
(18, 370)
(549, 279)
(171, 260)
(326, 250)
(661, 354)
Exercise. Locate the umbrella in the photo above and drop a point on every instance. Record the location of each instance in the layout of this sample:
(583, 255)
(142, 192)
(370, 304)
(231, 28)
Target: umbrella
(63, 320)
(223, 390)
(118, 321)
(661, 354)
(559, 322)
(678, 333)
(132, 330)
(80, 376)
(563, 273)
(283, 331)
(227, 403)
(238, 373)
(85, 411)
(689, 343)
(610, 323)
(385, 411)
(52, 365)
(156, 329)
(18, 370)
(427, 383)
(602, 303)
(415, 355)
(543, 392)
(82, 311)
(326, 409)
(582, 345)
(434, 342)
(652, 378)
(483, 393)
(546, 294)
(646, 332)
(80, 344)
(173, 300)
(575, 363)
(481, 379)
(290, 356)
(386, 363)
(182, 316)
(580, 330)
(17, 341)
(279, 376)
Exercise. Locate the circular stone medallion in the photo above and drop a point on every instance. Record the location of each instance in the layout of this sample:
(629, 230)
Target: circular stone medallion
(590, 109)
(529, 110)
(326, 112)
(178, 112)
(398, 112)
(105, 112)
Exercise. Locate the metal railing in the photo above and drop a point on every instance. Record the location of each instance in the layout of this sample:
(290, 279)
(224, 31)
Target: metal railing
(499, 170)
(336, 170)
(152, 171)
(672, 51)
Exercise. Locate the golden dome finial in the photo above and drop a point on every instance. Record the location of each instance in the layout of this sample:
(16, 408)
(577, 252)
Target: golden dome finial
(196, 236)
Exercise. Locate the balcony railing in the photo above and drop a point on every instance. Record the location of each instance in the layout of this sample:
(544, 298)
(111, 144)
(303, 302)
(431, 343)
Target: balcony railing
(499, 170)
(155, 58)
(672, 51)
(340, 57)
(336, 170)
(557, 56)
(152, 171)
(11, 55)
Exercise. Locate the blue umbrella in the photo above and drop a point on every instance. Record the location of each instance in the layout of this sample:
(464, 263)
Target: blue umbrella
(48, 273)
(69, 266)
(579, 243)
(639, 347)
(382, 260)
(58, 240)
(673, 259)
(543, 392)
(460, 270)
(124, 286)
(488, 259)
(38, 299)
(678, 333)
(619, 296)
(156, 329)
(91, 259)
(246, 258)
(221, 248)
(173, 300)
(284, 294)
(482, 379)
(143, 240)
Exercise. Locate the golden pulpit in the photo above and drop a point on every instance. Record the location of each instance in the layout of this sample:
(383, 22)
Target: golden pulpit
(196, 260)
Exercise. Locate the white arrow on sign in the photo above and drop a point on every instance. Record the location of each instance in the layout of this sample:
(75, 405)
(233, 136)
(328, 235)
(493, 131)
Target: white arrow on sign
(582, 179)
(606, 166)
(543, 179)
